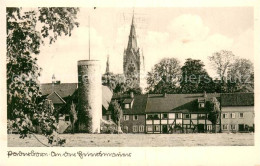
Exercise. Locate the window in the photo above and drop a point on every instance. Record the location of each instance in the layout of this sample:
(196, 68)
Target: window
(67, 118)
(241, 115)
(141, 128)
(209, 127)
(135, 129)
(187, 116)
(201, 105)
(225, 127)
(152, 116)
(126, 117)
(165, 116)
(149, 117)
(225, 116)
(233, 127)
(149, 128)
(178, 116)
(126, 106)
(156, 116)
(201, 116)
(233, 115)
(156, 128)
(135, 117)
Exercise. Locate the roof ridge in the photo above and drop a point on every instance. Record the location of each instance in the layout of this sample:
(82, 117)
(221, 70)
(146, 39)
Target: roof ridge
(57, 95)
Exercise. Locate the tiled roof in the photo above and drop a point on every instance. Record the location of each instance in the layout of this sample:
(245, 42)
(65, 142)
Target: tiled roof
(106, 96)
(67, 89)
(155, 103)
(63, 89)
(138, 105)
(175, 102)
(127, 101)
(237, 99)
(55, 98)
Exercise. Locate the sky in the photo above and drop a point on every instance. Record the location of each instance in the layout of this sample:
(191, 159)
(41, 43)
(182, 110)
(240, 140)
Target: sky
(161, 32)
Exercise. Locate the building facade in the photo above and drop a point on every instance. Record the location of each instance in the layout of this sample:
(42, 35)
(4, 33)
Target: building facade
(237, 112)
(179, 113)
(62, 93)
(165, 113)
(133, 107)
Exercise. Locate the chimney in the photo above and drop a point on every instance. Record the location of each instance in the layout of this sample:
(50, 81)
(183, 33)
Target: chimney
(53, 79)
(53, 82)
(132, 95)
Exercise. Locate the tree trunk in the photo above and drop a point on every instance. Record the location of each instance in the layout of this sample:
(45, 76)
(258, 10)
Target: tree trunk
(119, 131)
(72, 125)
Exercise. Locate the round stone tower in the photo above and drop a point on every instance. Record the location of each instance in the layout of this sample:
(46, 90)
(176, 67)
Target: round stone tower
(89, 96)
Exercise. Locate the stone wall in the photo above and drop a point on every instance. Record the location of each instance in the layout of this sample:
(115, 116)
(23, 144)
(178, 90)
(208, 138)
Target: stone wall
(90, 96)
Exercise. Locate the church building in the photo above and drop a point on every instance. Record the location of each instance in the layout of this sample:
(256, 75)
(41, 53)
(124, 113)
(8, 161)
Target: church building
(133, 63)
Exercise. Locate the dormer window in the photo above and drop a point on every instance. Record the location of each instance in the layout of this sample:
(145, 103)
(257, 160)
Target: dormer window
(128, 103)
(201, 102)
(201, 105)
(126, 106)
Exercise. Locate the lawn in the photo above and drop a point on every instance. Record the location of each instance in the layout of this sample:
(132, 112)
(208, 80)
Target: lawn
(140, 140)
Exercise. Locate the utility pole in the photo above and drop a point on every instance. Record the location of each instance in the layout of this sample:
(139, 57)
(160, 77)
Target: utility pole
(89, 37)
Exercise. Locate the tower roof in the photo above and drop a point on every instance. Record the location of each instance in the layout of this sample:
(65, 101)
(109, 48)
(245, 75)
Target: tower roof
(132, 41)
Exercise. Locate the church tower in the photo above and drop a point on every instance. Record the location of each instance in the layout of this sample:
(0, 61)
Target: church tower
(133, 59)
(107, 65)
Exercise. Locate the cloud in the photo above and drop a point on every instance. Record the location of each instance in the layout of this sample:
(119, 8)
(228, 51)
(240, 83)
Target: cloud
(187, 28)
(187, 37)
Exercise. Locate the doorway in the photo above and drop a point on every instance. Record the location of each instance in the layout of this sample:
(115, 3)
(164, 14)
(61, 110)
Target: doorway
(201, 128)
(241, 127)
(165, 129)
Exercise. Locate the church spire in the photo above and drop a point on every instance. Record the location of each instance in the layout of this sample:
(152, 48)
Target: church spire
(107, 66)
(132, 41)
(133, 18)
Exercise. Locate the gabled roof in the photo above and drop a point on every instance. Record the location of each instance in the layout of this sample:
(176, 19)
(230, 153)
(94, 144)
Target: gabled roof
(139, 105)
(106, 96)
(175, 102)
(127, 101)
(55, 98)
(237, 99)
(67, 89)
(63, 89)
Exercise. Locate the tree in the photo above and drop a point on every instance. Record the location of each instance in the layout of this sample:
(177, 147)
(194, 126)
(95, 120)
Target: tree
(117, 114)
(213, 109)
(110, 80)
(195, 78)
(166, 74)
(241, 76)
(73, 116)
(221, 61)
(117, 84)
(25, 33)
